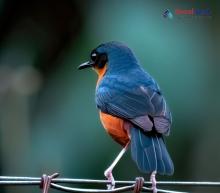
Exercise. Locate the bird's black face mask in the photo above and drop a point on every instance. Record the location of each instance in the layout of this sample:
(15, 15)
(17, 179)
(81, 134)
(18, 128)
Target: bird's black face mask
(97, 60)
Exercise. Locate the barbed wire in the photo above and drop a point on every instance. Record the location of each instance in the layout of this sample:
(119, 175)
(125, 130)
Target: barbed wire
(122, 186)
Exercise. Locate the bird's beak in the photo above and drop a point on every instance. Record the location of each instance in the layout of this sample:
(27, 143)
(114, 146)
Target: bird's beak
(86, 65)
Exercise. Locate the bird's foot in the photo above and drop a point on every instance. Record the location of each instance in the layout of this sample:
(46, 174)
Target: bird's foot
(153, 181)
(109, 176)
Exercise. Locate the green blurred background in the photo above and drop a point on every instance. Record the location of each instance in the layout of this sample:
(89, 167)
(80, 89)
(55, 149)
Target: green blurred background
(48, 119)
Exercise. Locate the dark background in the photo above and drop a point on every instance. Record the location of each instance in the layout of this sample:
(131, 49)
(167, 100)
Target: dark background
(48, 119)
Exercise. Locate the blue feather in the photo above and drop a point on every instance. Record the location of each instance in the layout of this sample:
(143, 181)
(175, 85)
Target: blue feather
(149, 152)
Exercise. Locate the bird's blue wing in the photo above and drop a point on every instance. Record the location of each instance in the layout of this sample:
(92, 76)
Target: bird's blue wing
(140, 103)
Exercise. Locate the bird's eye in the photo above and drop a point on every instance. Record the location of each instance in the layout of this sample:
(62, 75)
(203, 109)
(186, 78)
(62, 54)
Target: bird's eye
(99, 59)
(93, 56)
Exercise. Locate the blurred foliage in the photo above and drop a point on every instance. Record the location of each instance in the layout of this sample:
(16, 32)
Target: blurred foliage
(48, 119)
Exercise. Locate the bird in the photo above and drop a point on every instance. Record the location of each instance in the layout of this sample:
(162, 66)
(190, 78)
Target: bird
(132, 109)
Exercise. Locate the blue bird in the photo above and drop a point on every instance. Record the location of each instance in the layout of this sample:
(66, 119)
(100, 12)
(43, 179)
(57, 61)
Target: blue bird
(132, 109)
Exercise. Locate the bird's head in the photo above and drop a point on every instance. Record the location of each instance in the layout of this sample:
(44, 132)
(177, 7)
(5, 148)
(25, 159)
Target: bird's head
(111, 57)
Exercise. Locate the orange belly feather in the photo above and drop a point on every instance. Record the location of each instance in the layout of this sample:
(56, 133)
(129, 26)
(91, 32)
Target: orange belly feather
(100, 73)
(116, 127)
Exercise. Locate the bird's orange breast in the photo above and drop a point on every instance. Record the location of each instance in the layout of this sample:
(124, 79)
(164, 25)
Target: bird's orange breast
(101, 72)
(116, 127)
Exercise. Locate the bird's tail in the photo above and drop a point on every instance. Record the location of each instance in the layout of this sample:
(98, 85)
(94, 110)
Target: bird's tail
(149, 152)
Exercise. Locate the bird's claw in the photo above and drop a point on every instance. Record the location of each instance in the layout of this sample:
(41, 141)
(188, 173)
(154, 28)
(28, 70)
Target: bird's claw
(154, 182)
(109, 176)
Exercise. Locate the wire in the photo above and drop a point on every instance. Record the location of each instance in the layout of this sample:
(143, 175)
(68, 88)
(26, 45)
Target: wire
(123, 186)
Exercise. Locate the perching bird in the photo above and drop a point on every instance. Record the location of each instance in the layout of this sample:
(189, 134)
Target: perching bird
(132, 109)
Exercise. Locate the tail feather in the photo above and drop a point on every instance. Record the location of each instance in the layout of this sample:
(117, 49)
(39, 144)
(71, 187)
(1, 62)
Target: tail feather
(149, 152)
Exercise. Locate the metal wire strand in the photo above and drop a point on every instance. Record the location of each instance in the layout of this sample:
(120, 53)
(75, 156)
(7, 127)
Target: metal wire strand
(123, 186)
